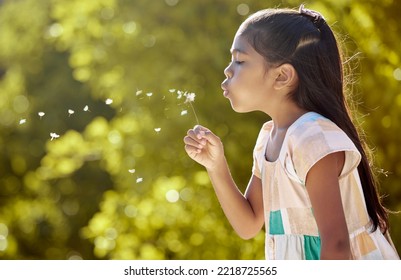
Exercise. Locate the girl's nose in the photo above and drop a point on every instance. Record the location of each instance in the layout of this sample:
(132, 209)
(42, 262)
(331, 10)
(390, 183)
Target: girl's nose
(228, 71)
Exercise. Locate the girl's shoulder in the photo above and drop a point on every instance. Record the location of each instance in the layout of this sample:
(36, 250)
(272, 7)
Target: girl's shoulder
(311, 123)
(312, 137)
(264, 133)
(313, 132)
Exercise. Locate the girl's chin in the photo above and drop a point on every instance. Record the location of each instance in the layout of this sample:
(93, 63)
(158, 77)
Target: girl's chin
(239, 109)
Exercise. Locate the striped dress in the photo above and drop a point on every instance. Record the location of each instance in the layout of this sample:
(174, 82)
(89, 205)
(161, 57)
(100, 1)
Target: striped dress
(291, 229)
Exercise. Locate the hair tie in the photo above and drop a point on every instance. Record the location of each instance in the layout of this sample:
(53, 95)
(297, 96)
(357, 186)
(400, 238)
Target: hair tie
(317, 19)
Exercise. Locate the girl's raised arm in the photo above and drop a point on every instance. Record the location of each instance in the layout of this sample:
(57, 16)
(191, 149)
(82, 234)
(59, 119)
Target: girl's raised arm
(244, 212)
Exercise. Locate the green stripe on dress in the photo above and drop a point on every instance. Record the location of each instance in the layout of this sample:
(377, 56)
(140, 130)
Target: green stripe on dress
(276, 223)
(312, 247)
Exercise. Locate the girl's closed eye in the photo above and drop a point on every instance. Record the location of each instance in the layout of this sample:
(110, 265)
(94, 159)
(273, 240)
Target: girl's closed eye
(238, 62)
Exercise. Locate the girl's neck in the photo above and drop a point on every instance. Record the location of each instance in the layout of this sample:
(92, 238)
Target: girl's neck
(285, 118)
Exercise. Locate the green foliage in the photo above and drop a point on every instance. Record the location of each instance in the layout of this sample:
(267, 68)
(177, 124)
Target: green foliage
(117, 183)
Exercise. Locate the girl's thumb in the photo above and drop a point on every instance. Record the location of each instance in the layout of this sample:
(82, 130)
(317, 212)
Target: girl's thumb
(203, 132)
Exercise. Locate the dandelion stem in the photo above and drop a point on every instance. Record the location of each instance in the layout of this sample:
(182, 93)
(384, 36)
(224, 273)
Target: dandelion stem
(193, 110)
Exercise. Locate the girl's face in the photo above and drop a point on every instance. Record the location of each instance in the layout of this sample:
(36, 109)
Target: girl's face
(248, 84)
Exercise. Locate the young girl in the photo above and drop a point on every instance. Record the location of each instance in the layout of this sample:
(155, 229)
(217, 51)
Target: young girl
(312, 185)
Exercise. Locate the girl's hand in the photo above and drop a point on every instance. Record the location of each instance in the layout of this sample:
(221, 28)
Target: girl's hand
(204, 147)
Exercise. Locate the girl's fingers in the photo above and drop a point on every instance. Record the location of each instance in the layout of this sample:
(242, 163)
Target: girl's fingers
(191, 133)
(197, 138)
(195, 135)
(204, 133)
(200, 131)
(188, 140)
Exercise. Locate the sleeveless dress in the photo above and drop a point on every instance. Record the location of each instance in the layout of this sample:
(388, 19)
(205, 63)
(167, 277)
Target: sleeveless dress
(291, 229)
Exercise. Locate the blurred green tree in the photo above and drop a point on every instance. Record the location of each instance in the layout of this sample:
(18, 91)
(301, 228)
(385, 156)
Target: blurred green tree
(116, 183)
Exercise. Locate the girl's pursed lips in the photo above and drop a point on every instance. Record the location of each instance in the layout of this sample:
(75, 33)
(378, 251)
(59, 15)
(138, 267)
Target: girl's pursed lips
(225, 90)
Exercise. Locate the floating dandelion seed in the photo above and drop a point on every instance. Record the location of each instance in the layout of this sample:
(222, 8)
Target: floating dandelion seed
(109, 101)
(70, 112)
(179, 94)
(138, 92)
(149, 94)
(86, 108)
(139, 180)
(22, 121)
(172, 90)
(158, 129)
(41, 114)
(132, 171)
(184, 112)
(53, 135)
(384, 172)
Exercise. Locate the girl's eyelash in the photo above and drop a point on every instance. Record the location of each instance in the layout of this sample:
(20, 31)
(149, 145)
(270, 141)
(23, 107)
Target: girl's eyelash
(238, 62)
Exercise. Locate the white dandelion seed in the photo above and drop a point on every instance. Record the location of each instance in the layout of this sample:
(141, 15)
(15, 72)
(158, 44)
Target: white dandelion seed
(41, 114)
(54, 136)
(184, 112)
(86, 108)
(138, 92)
(139, 180)
(109, 101)
(172, 90)
(158, 129)
(22, 121)
(132, 171)
(149, 94)
(70, 112)
(179, 94)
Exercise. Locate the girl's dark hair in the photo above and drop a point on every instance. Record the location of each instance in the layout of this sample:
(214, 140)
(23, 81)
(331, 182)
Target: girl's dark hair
(288, 36)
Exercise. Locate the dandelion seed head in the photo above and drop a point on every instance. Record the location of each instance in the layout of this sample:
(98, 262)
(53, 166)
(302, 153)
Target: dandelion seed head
(109, 101)
(190, 97)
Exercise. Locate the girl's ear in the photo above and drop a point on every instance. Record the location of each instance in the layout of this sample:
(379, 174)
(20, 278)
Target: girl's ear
(286, 77)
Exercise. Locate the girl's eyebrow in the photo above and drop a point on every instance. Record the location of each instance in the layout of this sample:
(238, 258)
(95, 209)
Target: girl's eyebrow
(235, 50)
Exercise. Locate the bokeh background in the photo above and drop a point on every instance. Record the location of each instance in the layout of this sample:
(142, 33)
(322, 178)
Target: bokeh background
(116, 183)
